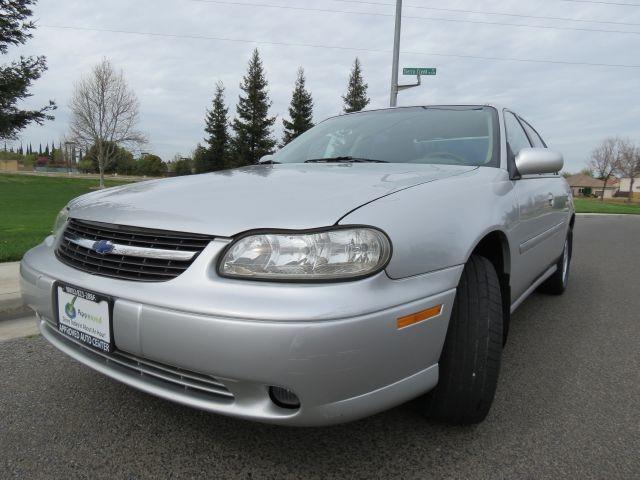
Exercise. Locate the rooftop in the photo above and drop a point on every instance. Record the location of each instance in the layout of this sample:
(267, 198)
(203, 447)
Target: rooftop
(582, 180)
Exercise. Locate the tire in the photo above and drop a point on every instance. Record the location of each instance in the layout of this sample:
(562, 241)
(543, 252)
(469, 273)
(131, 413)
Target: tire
(470, 359)
(557, 283)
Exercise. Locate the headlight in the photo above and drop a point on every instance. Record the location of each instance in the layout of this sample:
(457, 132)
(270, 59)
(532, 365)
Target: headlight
(343, 253)
(61, 222)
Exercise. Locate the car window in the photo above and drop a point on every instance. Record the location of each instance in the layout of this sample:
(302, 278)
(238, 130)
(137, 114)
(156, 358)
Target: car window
(516, 137)
(533, 135)
(446, 135)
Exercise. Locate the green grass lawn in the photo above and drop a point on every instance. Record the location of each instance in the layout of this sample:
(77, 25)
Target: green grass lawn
(593, 205)
(28, 208)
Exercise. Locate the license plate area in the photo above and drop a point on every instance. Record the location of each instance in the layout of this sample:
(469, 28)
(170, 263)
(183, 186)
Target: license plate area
(85, 316)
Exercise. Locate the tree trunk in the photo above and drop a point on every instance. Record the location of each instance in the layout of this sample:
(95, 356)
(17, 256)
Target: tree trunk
(101, 161)
(631, 182)
(604, 189)
(101, 168)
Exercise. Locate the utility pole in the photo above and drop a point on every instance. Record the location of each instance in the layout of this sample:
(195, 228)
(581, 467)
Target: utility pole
(395, 67)
(393, 101)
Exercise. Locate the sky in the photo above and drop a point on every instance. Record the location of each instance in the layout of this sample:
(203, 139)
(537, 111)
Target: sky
(577, 86)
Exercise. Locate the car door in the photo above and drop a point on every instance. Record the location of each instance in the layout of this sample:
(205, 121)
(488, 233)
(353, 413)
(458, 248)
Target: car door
(541, 201)
(558, 194)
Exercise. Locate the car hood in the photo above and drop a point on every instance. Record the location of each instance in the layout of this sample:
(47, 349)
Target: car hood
(292, 196)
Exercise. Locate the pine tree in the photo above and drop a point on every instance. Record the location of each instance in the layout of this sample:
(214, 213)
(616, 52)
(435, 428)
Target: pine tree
(46, 150)
(356, 97)
(217, 123)
(200, 158)
(16, 77)
(40, 150)
(252, 126)
(300, 110)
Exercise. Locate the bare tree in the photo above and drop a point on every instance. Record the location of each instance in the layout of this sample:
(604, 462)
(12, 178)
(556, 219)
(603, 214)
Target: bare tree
(628, 163)
(604, 160)
(104, 113)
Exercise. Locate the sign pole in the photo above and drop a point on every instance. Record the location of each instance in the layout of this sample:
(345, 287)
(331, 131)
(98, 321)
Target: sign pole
(393, 101)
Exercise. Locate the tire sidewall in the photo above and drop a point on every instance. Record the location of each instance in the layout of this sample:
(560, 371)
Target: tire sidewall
(568, 247)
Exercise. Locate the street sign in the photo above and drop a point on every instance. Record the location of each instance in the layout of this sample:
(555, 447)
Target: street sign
(418, 71)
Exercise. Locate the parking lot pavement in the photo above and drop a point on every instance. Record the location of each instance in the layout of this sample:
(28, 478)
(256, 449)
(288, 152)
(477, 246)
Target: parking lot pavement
(567, 404)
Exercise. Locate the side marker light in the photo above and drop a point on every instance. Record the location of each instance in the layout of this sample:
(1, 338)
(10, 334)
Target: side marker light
(418, 317)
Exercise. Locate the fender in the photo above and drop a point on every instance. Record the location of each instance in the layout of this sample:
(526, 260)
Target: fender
(438, 225)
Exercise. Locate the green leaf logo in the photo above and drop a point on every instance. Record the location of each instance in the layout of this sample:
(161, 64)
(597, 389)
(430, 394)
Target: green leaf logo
(69, 309)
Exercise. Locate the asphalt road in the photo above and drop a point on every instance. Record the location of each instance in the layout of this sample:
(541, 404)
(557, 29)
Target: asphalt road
(567, 406)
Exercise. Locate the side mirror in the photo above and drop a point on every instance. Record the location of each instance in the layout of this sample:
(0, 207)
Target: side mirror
(538, 160)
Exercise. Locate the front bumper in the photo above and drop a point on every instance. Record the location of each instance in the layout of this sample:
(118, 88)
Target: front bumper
(336, 346)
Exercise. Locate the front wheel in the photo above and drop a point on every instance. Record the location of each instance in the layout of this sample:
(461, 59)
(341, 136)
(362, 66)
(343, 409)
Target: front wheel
(470, 359)
(557, 283)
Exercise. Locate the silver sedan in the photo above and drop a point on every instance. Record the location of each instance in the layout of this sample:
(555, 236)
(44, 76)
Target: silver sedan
(375, 259)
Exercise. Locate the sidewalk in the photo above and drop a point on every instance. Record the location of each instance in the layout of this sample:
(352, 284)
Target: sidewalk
(11, 305)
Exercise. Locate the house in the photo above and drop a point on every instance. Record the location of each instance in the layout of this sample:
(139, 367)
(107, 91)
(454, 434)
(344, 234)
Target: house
(585, 186)
(625, 183)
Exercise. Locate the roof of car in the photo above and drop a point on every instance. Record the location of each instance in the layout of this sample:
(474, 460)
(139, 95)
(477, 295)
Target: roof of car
(455, 104)
(443, 104)
(497, 106)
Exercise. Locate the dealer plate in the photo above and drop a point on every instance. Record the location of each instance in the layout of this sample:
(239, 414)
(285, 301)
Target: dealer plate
(85, 316)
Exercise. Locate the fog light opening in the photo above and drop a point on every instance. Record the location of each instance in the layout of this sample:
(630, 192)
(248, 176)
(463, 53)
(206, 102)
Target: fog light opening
(284, 398)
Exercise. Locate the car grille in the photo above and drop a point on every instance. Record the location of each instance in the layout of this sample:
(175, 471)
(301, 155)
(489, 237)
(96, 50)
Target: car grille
(174, 378)
(150, 255)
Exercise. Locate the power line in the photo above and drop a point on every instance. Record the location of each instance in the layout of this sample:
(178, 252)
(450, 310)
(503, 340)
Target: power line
(438, 19)
(615, 4)
(339, 47)
(482, 12)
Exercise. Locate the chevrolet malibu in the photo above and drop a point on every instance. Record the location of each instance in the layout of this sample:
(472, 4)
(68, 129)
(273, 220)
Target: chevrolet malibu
(375, 259)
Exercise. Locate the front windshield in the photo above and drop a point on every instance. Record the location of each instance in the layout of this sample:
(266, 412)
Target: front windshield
(419, 135)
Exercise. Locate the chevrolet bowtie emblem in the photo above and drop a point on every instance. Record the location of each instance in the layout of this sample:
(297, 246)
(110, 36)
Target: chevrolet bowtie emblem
(102, 247)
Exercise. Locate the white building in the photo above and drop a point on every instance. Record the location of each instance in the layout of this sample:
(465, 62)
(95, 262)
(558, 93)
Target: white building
(624, 185)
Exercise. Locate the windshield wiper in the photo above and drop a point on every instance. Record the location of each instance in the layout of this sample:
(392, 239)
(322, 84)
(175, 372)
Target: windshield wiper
(345, 159)
(269, 162)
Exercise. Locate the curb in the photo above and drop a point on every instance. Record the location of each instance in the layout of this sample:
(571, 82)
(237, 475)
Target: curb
(11, 303)
(20, 312)
(11, 306)
(609, 214)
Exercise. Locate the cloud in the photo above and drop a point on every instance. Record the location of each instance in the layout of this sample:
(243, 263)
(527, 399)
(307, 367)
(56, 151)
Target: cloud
(574, 107)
